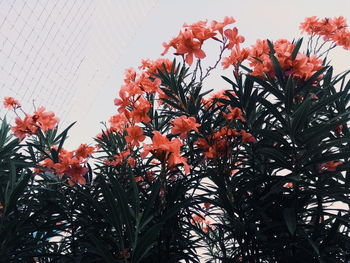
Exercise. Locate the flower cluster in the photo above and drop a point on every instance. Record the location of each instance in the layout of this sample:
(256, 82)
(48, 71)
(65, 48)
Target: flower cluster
(183, 125)
(202, 160)
(220, 143)
(30, 124)
(259, 57)
(11, 103)
(133, 105)
(202, 222)
(121, 158)
(302, 67)
(190, 40)
(166, 151)
(70, 164)
(331, 29)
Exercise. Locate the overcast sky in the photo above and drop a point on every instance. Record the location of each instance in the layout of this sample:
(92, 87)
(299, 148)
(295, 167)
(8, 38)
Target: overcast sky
(148, 23)
(256, 19)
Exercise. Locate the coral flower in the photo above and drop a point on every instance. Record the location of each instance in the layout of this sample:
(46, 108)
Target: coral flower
(190, 47)
(342, 39)
(219, 26)
(69, 164)
(75, 174)
(11, 103)
(310, 25)
(247, 137)
(148, 85)
(183, 125)
(235, 114)
(30, 124)
(330, 166)
(233, 37)
(121, 158)
(339, 130)
(123, 102)
(140, 111)
(236, 57)
(45, 120)
(288, 185)
(200, 30)
(207, 205)
(25, 127)
(332, 29)
(118, 122)
(166, 151)
(135, 135)
(152, 67)
(130, 75)
(84, 151)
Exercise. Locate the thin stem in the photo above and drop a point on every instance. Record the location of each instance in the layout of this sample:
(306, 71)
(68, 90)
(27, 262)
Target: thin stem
(321, 46)
(316, 44)
(194, 74)
(327, 51)
(222, 49)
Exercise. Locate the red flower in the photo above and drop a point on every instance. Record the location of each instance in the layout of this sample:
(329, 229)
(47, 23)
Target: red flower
(183, 125)
(334, 29)
(45, 120)
(235, 114)
(11, 103)
(288, 185)
(219, 26)
(25, 127)
(140, 111)
(70, 164)
(233, 37)
(236, 57)
(207, 205)
(166, 151)
(188, 46)
(84, 151)
(339, 130)
(135, 135)
(118, 122)
(247, 137)
(330, 166)
(200, 30)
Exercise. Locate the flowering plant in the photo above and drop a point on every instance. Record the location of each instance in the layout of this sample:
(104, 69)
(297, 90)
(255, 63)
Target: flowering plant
(257, 172)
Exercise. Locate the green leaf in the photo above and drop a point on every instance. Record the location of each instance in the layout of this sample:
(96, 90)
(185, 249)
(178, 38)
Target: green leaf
(146, 242)
(274, 136)
(147, 213)
(277, 93)
(300, 116)
(296, 48)
(289, 91)
(17, 191)
(328, 100)
(289, 216)
(102, 250)
(124, 205)
(275, 155)
(274, 111)
(314, 77)
(229, 81)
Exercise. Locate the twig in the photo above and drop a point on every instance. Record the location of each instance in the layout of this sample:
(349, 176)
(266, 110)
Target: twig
(222, 49)
(327, 51)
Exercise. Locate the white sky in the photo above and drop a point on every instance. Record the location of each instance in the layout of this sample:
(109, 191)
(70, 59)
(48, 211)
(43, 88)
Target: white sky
(124, 32)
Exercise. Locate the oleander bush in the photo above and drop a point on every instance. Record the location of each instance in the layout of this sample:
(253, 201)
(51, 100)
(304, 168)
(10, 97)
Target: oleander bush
(256, 172)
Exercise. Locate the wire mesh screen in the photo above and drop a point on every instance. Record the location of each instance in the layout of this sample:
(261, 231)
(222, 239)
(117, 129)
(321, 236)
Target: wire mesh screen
(42, 47)
(52, 52)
